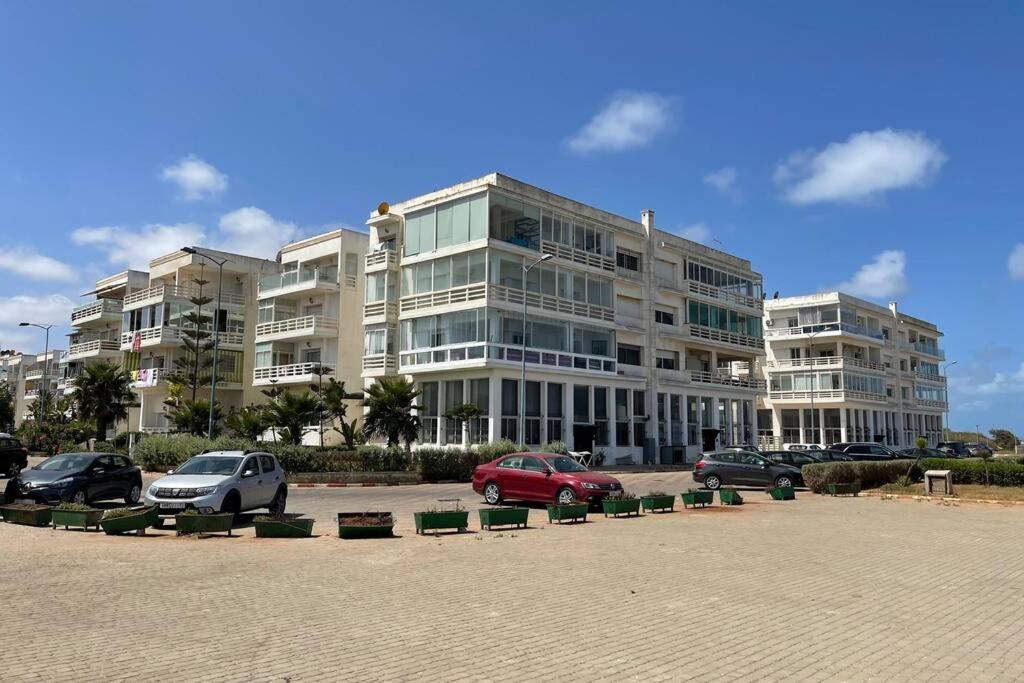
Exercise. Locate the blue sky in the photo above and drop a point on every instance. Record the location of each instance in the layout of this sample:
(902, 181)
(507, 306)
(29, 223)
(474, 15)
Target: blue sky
(875, 145)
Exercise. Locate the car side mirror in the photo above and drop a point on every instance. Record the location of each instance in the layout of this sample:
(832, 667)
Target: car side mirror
(170, 471)
(249, 473)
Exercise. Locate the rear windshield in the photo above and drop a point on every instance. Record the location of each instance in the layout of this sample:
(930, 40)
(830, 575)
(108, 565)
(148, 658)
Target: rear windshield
(209, 465)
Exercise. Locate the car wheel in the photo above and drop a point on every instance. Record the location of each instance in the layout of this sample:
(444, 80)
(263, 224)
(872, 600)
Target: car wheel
(79, 498)
(783, 481)
(492, 493)
(277, 505)
(232, 503)
(712, 482)
(565, 496)
(133, 495)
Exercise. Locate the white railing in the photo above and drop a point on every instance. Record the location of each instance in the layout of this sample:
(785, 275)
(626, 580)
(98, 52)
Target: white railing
(827, 393)
(580, 256)
(303, 278)
(816, 328)
(478, 351)
(381, 259)
(181, 292)
(456, 295)
(93, 347)
(931, 377)
(715, 334)
(296, 327)
(723, 295)
(383, 363)
(152, 336)
(704, 377)
(295, 371)
(145, 377)
(929, 403)
(825, 361)
(95, 309)
(547, 302)
(34, 373)
(388, 309)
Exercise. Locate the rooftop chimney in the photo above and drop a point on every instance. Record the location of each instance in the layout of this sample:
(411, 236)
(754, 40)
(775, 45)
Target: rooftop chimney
(647, 220)
(892, 307)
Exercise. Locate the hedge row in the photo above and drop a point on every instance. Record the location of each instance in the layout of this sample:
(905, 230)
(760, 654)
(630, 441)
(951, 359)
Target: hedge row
(870, 474)
(973, 471)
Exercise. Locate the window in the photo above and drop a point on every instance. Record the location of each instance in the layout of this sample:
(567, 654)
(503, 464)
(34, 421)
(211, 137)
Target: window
(627, 260)
(267, 463)
(251, 465)
(639, 403)
(513, 462)
(532, 464)
(664, 316)
(667, 360)
(630, 355)
(581, 403)
(446, 225)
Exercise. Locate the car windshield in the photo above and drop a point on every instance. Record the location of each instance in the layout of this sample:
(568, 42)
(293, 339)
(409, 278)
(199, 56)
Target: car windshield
(564, 463)
(209, 465)
(62, 463)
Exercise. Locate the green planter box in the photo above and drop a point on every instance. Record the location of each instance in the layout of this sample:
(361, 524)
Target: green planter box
(730, 497)
(289, 527)
(655, 503)
(365, 525)
(844, 489)
(783, 493)
(697, 498)
(449, 519)
(503, 517)
(29, 515)
(573, 512)
(76, 518)
(138, 523)
(217, 523)
(628, 507)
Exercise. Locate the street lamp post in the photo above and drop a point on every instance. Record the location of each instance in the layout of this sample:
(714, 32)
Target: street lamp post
(522, 377)
(216, 330)
(814, 381)
(945, 417)
(46, 366)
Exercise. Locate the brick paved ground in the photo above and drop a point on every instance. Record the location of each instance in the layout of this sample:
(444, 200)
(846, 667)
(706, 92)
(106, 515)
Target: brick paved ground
(843, 589)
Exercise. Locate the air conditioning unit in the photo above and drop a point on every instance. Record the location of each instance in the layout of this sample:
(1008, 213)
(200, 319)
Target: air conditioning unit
(769, 323)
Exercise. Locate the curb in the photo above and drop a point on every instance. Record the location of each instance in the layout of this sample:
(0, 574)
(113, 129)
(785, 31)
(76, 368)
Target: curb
(939, 499)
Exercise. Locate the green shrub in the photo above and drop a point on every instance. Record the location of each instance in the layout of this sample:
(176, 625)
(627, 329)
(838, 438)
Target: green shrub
(555, 447)
(374, 458)
(117, 513)
(103, 447)
(121, 440)
(970, 471)
(446, 464)
(870, 474)
(496, 449)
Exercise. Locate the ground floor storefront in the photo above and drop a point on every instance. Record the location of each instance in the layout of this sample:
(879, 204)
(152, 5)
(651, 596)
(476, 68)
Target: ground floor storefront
(828, 424)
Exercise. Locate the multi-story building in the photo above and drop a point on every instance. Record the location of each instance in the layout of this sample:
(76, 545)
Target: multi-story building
(638, 343)
(10, 373)
(308, 312)
(39, 377)
(843, 369)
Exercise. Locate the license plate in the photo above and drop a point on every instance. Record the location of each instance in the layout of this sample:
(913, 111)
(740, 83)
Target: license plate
(172, 506)
(24, 501)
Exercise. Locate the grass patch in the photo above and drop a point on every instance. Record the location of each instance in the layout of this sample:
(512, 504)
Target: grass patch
(964, 491)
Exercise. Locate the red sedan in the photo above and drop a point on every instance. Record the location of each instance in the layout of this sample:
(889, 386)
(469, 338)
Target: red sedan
(541, 477)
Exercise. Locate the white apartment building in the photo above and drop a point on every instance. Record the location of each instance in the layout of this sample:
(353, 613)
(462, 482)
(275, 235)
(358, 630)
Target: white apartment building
(39, 375)
(872, 373)
(11, 364)
(309, 312)
(639, 343)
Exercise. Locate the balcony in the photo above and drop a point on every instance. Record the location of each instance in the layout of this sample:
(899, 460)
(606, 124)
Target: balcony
(151, 337)
(928, 348)
(929, 377)
(34, 372)
(827, 396)
(546, 302)
(708, 291)
(721, 379)
(98, 348)
(379, 364)
(295, 373)
(147, 378)
(681, 331)
(380, 312)
(836, 362)
(725, 337)
(580, 256)
(309, 326)
(481, 353)
(299, 282)
(930, 403)
(99, 310)
(822, 330)
(456, 295)
(381, 260)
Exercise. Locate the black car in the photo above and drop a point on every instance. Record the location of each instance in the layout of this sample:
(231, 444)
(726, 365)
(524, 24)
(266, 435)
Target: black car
(13, 456)
(743, 469)
(954, 449)
(928, 453)
(865, 450)
(741, 447)
(831, 456)
(78, 478)
(794, 458)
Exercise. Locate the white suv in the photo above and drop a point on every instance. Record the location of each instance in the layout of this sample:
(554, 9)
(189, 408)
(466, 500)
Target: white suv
(222, 481)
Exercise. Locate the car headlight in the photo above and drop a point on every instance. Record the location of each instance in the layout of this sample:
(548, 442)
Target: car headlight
(588, 485)
(206, 490)
(152, 490)
(61, 483)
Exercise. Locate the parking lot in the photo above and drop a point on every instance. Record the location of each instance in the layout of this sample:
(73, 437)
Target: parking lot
(819, 588)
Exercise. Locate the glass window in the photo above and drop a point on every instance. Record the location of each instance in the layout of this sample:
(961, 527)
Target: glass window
(442, 274)
(629, 355)
(444, 225)
(532, 464)
(512, 462)
(581, 403)
(460, 270)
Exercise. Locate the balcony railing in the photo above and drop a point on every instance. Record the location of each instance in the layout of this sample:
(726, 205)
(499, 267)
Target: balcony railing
(146, 377)
(823, 327)
(930, 403)
(163, 292)
(387, 309)
(299, 280)
(295, 372)
(156, 336)
(930, 376)
(841, 394)
(825, 362)
(703, 377)
(585, 258)
(928, 348)
(478, 351)
(95, 310)
(379, 364)
(702, 289)
(717, 335)
(381, 260)
(306, 326)
(550, 303)
(34, 372)
(93, 348)
(456, 295)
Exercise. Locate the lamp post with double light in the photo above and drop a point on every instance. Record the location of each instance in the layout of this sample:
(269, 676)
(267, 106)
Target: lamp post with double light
(522, 378)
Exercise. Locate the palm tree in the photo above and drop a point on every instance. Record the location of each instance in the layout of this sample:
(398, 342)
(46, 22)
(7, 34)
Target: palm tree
(334, 398)
(248, 423)
(463, 415)
(104, 393)
(290, 413)
(194, 417)
(390, 404)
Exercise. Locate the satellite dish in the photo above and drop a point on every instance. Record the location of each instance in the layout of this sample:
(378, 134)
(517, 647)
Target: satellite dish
(383, 208)
(775, 295)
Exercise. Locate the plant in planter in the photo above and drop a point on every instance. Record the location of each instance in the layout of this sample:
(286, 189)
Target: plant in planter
(192, 521)
(29, 514)
(697, 497)
(283, 526)
(121, 520)
(436, 519)
(621, 503)
(572, 512)
(77, 515)
(503, 516)
(781, 492)
(365, 525)
(848, 489)
(658, 501)
(730, 496)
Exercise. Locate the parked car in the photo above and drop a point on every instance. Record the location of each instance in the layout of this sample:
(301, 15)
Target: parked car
(865, 450)
(13, 456)
(831, 456)
(794, 458)
(928, 453)
(956, 449)
(222, 481)
(541, 477)
(78, 478)
(801, 447)
(741, 447)
(977, 449)
(719, 468)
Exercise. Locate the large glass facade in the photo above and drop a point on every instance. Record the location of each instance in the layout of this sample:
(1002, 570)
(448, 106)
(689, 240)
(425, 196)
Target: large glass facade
(723, 280)
(443, 273)
(446, 225)
(716, 317)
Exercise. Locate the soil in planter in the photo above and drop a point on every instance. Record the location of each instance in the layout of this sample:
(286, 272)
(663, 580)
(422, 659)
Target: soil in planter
(368, 520)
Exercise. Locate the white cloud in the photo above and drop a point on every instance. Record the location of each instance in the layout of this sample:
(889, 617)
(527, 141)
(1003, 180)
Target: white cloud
(698, 232)
(866, 165)
(1016, 262)
(196, 178)
(254, 232)
(136, 248)
(630, 120)
(44, 310)
(883, 277)
(35, 266)
(999, 383)
(723, 180)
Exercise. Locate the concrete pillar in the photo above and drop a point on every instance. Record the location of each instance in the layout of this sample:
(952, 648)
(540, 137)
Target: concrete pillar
(800, 414)
(569, 411)
(843, 427)
(494, 409)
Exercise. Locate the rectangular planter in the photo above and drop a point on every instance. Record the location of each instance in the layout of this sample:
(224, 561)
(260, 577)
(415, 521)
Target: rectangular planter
(503, 517)
(628, 507)
(449, 519)
(138, 523)
(573, 512)
(654, 503)
(730, 497)
(698, 498)
(844, 489)
(217, 523)
(289, 527)
(76, 518)
(783, 493)
(29, 515)
(382, 526)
